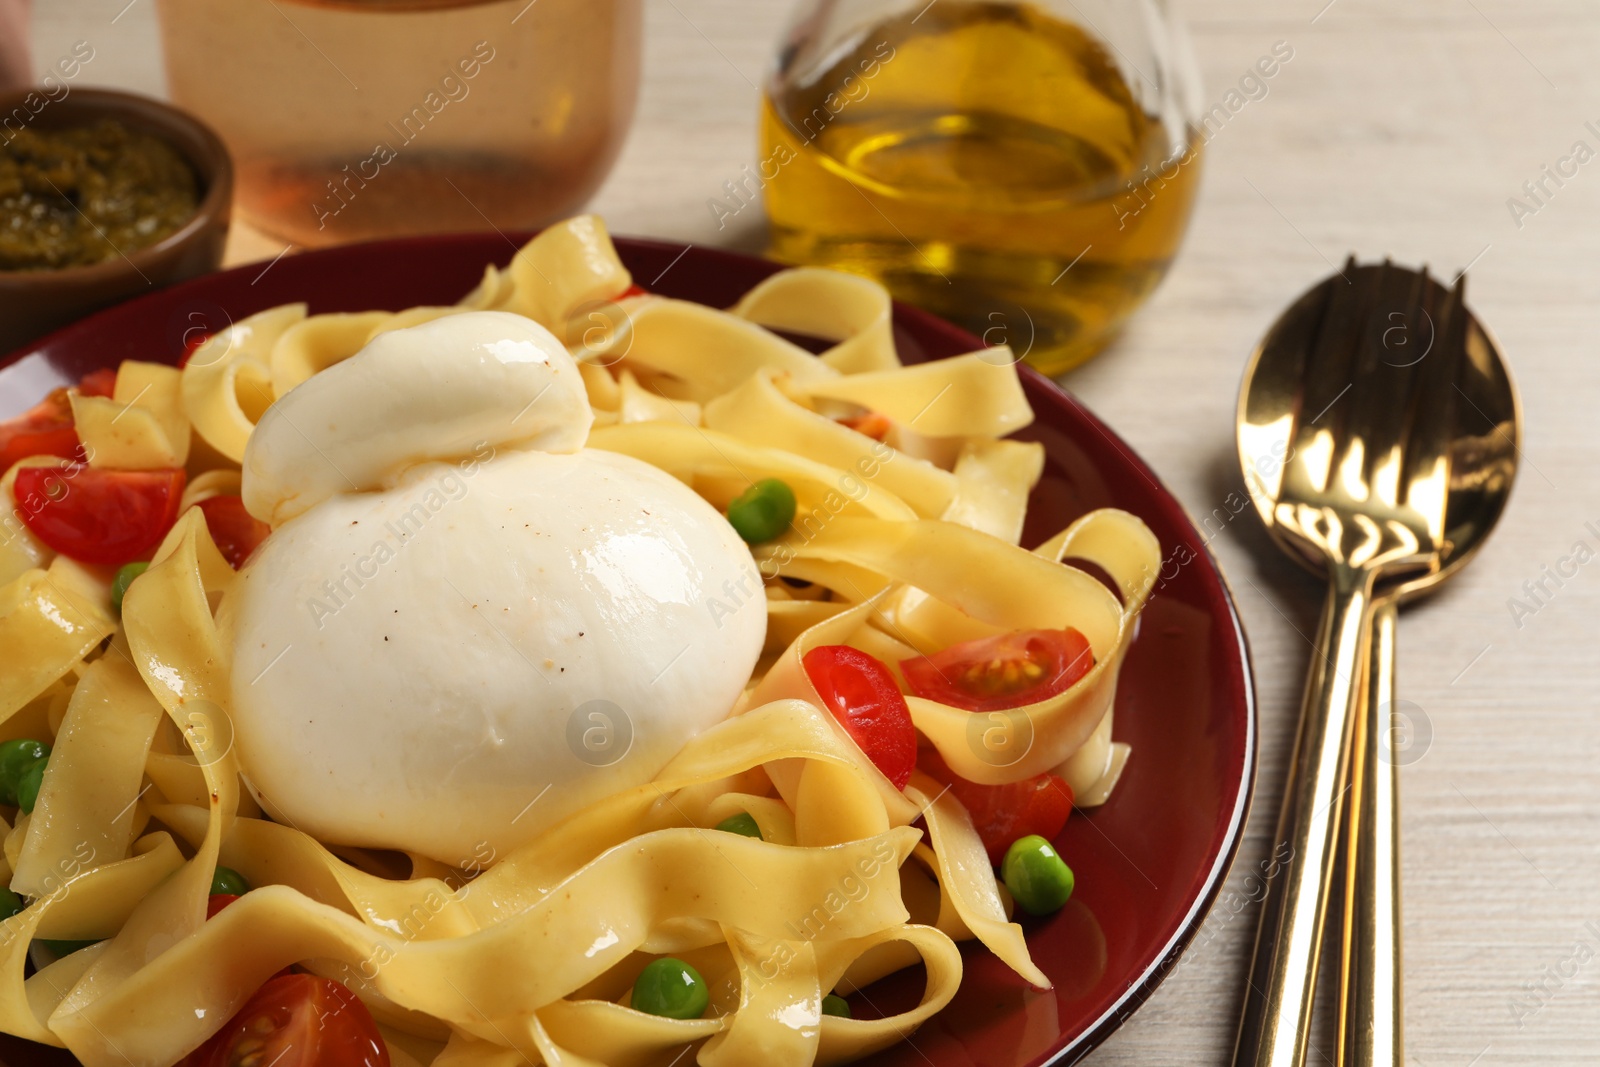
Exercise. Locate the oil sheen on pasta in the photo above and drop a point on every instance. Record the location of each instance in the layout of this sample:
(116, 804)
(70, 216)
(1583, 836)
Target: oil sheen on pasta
(987, 162)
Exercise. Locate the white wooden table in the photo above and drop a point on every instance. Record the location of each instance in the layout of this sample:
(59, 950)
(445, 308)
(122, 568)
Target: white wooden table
(1399, 129)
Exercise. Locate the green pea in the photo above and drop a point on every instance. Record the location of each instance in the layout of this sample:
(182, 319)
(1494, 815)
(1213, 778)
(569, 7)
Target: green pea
(763, 511)
(28, 785)
(15, 756)
(66, 948)
(124, 578)
(227, 880)
(1036, 875)
(672, 989)
(836, 1006)
(743, 824)
(10, 903)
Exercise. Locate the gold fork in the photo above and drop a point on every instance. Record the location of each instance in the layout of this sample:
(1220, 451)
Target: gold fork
(1361, 419)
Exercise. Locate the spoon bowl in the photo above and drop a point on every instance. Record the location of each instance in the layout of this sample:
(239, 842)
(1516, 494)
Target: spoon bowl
(1485, 444)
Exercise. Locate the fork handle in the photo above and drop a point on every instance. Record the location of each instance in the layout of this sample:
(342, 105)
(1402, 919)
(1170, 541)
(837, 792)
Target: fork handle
(1276, 1022)
(1370, 1019)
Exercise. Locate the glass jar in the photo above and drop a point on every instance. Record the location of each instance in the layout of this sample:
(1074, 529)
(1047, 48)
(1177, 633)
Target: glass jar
(353, 119)
(1024, 169)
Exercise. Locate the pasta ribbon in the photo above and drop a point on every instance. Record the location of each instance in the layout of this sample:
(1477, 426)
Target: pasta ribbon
(758, 413)
(854, 312)
(704, 352)
(963, 396)
(49, 621)
(141, 426)
(227, 384)
(553, 276)
(82, 815)
(993, 480)
(316, 343)
(694, 456)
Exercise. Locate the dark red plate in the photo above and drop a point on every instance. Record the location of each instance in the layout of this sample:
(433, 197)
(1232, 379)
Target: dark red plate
(1148, 863)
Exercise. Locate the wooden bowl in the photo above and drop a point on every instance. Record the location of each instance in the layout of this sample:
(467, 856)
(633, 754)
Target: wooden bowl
(33, 303)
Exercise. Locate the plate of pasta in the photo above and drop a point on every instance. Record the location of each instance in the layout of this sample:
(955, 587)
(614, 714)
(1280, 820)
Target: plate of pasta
(466, 651)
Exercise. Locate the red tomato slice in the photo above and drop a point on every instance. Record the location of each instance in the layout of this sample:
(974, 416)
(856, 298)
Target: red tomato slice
(99, 516)
(217, 901)
(296, 1020)
(1003, 813)
(46, 428)
(861, 693)
(995, 673)
(18, 444)
(235, 530)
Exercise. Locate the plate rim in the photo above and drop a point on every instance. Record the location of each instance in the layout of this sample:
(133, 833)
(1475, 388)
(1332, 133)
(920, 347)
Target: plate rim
(1138, 992)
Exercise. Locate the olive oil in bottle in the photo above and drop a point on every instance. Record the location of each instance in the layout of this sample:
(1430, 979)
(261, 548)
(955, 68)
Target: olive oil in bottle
(988, 162)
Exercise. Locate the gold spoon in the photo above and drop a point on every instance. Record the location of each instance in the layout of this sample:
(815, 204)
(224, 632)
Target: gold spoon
(1358, 488)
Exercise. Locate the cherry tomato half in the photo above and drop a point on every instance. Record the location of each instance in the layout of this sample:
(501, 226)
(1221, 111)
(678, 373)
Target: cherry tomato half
(296, 1020)
(995, 673)
(98, 516)
(235, 530)
(862, 694)
(1003, 813)
(46, 428)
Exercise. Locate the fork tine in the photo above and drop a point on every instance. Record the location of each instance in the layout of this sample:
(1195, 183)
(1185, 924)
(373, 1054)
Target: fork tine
(1433, 421)
(1327, 374)
(1385, 378)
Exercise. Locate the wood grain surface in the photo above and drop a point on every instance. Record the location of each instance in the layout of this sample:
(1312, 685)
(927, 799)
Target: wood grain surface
(1399, 129)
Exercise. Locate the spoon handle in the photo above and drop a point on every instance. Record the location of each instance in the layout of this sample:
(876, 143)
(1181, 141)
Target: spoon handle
(1276, 1021)
(1370, 1019)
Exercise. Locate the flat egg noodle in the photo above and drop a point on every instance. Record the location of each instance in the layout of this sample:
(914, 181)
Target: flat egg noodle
(318, 342)
(81, 816)
(227, 382)
(555, 276)
(688, 452)
(637, 404)
(20, 550)
(93, 903)
(993, 480)
(708, 351)
(963, 396)
(966, 877)
(141, 426)
(758, 413)
(50, 619)
(851, 311)
(220, 482)
(783, 730)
